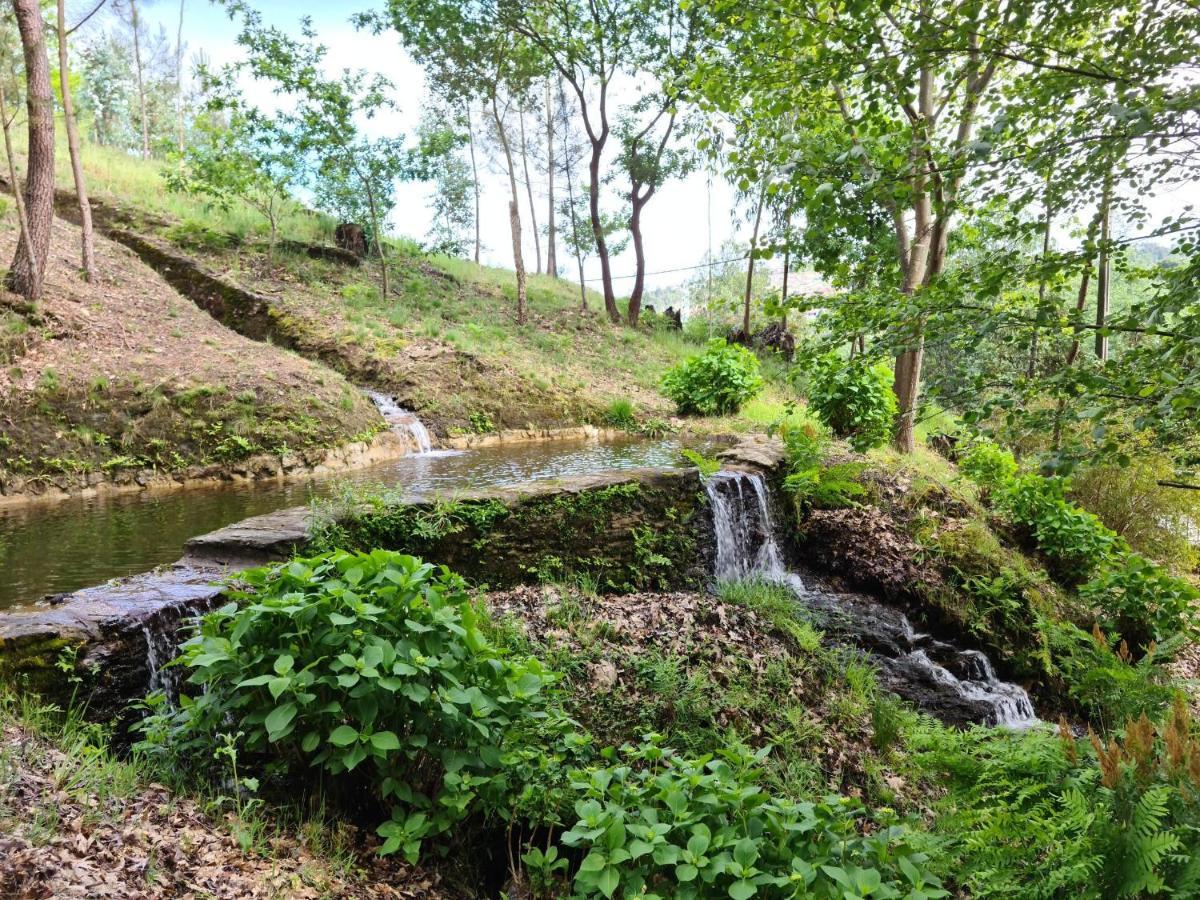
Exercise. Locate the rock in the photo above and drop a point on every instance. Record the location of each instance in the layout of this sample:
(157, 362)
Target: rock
(778, 338)
(603, 676)
(351, 238)
(754, 452)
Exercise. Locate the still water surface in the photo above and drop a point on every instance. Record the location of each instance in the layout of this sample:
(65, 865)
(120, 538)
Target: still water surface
(78, 543)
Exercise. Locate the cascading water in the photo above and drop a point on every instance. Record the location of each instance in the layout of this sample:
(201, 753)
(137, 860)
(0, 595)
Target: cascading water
(957, 685)
(403, 422)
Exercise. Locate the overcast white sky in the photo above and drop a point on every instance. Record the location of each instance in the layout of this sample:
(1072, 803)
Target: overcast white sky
(679, 222)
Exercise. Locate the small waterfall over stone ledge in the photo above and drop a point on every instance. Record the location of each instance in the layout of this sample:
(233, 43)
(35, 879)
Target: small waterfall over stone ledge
(403, 422)
(956, 685)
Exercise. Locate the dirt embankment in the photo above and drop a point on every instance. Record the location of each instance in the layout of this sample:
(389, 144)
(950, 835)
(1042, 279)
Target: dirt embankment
(123, 380)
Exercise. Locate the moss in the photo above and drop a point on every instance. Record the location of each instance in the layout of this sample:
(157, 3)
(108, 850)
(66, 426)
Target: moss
(36, 665)
(623, 536)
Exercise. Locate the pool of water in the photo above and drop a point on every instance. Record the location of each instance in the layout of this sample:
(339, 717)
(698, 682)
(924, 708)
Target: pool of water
(77, 543)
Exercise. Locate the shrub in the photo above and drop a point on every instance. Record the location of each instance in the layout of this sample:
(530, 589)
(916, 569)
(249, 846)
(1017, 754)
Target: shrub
(350, 658)
(854, 399)
(1142, 602)
(716, 383)
(1131, 501)
(810, 483)
(987, 464)
(1075, 540)
(1040, 815)
(657, 825)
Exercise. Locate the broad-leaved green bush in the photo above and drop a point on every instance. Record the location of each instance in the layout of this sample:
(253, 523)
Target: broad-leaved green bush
(346, 659)
(718, 382)
(854, 398)
(653, 824)
(1142, 602)
(1076, 541)
(987, 464)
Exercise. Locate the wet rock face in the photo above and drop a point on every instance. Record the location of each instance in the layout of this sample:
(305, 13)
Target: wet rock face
(120, 635)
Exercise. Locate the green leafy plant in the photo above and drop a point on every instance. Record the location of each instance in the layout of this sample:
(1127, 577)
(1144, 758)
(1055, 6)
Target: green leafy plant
(810, 483)
(653, 824)
(621, 414)
(716, 383)
(706, 464)
(350, 658)
(1075, 540)
(854, 398)
(1043, 815)
(988, 464)
(1142, 601)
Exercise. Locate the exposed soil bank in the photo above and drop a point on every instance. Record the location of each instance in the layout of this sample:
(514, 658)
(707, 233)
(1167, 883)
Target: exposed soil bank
(113, 381)
(17, 491)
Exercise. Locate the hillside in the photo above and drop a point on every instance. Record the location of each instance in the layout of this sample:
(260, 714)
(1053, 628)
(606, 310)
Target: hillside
(446, 343)
(126, 374)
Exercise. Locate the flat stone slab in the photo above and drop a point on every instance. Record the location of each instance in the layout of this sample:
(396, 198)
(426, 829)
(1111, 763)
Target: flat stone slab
(756, 452)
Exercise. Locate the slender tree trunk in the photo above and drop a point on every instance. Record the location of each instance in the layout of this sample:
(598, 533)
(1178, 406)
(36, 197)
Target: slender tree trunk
(1031, 370)
(10, 156)
(1103, 269)
(1073, 351)
(179, 76)
(514, 214)
(639, 254)
(87, 244)
(783, 294)
(537, 240)
(610, 298)
(551, 237)
(135, 22)
(762, 194)
(576, 242)
(377, 227)
(474, 177)
(28, 267)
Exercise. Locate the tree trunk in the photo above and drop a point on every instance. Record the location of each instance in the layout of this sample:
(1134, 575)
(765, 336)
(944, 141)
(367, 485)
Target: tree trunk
(28, 267)
(179, 76)
(762, 194)
(783, 295)
(551, 238)
(377, 228)
(639, 254)
(135, 23)
(514, 214)
(1031, 370)
(1103, 272)
(474, 178)
(10, 156)
(87, 244)
(537, 240)
(610, 299)
(575, 234)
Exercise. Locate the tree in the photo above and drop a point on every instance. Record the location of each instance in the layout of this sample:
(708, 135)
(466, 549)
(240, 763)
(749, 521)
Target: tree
(591, 44)
(128, 11)
(322, 114)
(87, 250)
(472, 60)
(438, 159)
(239, 154)
(28, 268)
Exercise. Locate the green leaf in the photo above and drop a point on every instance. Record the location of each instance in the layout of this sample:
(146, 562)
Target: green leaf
(343, 736)
(279, 721)
(283, 664)
(385, 740)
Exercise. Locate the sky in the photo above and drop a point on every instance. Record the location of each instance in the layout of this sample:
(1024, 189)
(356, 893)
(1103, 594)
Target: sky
(676, 220)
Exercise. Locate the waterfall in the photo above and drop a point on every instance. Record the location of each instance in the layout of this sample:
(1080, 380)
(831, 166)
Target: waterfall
(402, 421)
(957, 685)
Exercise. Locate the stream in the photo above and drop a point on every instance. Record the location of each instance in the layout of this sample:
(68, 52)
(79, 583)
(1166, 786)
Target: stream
(958, 686)
(73, 544)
